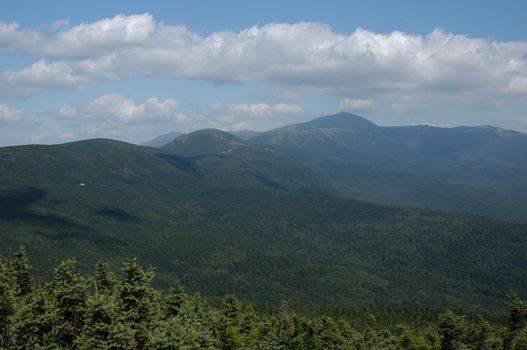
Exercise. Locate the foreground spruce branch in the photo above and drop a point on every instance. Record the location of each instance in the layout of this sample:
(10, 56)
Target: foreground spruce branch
(101, 311)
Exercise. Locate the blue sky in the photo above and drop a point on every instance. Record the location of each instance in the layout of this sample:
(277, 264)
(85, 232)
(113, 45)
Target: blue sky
(132, 70)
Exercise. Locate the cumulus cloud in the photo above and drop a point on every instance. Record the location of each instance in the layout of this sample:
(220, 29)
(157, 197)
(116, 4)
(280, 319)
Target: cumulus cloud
(10, 116)
(16, 39)
(81, 41)
(117, 109)
(41, 76)
(298, 59)
(258, 110)
(249, 116)
(348, 104)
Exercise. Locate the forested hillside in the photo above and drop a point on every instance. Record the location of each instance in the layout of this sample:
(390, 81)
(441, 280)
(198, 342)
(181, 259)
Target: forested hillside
(225, 160)
(110, 199)
(477, 170)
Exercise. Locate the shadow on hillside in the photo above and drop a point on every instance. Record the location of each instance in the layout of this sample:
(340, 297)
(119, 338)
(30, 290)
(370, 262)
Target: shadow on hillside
(180, 163)
(118, 214)
(14, 206)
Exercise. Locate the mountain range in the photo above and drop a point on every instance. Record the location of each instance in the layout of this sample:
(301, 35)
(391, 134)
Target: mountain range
(475, 170)
(276, 216)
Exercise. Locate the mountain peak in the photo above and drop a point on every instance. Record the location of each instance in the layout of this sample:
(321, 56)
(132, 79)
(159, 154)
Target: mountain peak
(204, 141)
(340, 120)
(210, 133)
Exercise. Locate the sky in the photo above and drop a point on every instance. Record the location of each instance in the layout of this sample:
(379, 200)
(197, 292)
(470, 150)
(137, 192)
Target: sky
(132, 70)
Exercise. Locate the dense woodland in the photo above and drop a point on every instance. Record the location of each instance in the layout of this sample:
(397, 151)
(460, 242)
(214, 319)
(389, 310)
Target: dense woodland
(320, 253)
(230, 217)
(105, 310)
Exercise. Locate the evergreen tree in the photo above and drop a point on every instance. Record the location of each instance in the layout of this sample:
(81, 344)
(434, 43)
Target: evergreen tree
(22, 272)
(478, 336)
(285, 326)
(7, 302)
(288, 329)
(138, 301)
(517, 315)
(175, 299)
(200, 316)
(229, 332)
(187, 324)
(33, 323)
(69, 293)
(176, 334)
(105, 280)
(103, 329)
(451, 329)
(249, 323)
(327, 335)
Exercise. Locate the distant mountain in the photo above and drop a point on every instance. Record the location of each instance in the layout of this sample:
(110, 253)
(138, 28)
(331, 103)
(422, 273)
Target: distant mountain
(161, 140)
(107, 199)
(478, 170)
(226, 160)
(336, 121)
(245, 134)
(164, 139)
(204, 141)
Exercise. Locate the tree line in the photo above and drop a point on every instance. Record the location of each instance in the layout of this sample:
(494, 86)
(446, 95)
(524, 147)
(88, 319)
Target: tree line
(104, 310)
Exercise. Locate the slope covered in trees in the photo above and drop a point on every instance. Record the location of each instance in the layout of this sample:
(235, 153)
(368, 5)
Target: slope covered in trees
(478, 170)
(102, 311)
(103, 198)
(225, 160)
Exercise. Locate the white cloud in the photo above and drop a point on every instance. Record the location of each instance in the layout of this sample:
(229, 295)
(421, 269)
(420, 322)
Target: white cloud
(348, 104)
(252, 116)
(117, 109)
(242, 126)
(42, 75)
(10, 116)
(257, 110)
(13, 38)
(82, 41)
(298, 60)
(518, 85)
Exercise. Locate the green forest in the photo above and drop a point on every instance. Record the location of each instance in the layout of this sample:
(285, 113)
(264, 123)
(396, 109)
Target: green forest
(122, 310)
(254, 250)
(322, 254)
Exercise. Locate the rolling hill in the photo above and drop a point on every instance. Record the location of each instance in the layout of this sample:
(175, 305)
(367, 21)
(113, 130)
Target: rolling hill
(226, 160)
(202, 142)
(103, 198)
(164, 139)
